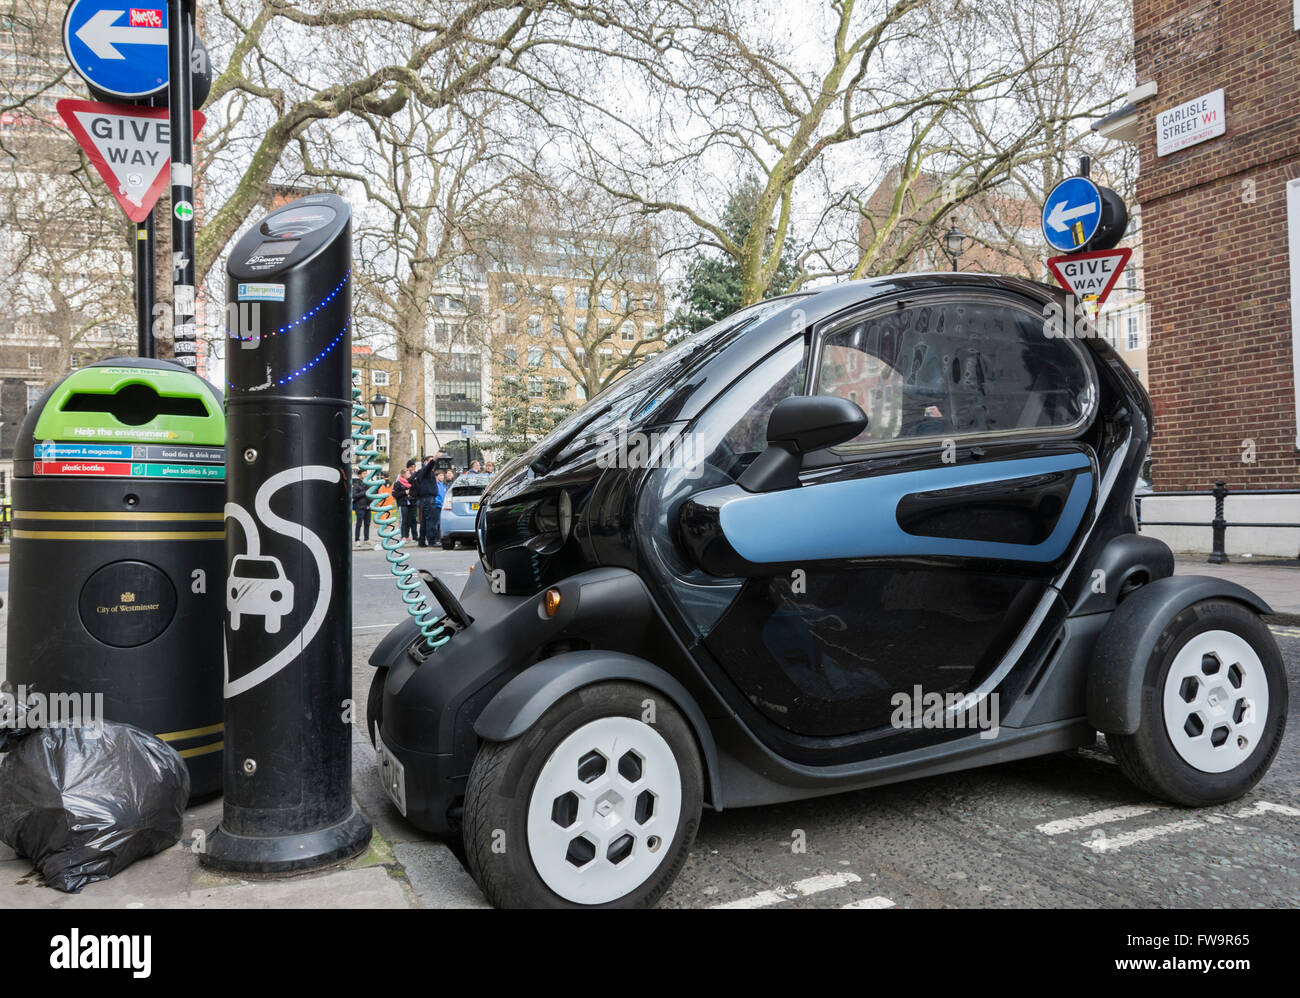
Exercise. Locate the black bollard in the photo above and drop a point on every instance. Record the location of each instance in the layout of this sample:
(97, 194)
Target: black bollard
(288, 777)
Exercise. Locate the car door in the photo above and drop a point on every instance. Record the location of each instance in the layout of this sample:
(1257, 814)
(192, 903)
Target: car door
(914, 558)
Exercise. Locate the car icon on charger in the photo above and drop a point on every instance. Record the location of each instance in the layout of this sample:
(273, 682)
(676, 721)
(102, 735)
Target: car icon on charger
(258, 586)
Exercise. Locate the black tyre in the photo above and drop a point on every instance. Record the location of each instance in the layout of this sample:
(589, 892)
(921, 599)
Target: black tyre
(375, 703)
(1214, 705)
(448, 544)
(591, 807)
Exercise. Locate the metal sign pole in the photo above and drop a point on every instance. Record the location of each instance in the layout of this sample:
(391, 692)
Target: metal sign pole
(144, 287)
(180, 45)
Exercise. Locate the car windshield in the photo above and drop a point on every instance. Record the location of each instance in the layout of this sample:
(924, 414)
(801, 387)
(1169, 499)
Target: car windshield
(623, 400)
(254, 568)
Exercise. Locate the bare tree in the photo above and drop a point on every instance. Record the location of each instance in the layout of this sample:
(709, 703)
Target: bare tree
(426, 177)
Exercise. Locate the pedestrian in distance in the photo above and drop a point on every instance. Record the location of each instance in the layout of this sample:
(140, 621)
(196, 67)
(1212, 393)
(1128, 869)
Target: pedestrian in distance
(406, 506)
(361, 508)
(430, 511)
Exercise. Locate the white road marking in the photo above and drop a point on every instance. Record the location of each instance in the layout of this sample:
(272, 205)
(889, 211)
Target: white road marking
(1062, 825)
(376, 627)
(792, 892)
(876, 902)
(1285, 630)
(1102, 843)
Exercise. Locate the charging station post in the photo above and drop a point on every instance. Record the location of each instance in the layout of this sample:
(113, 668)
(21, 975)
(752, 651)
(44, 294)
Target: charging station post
(288, 685)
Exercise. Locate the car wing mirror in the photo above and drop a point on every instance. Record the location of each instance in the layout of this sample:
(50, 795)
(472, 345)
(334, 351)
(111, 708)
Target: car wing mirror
(800, 424)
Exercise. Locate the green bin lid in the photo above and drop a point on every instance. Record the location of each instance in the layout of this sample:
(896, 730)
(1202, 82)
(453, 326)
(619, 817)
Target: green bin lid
(118, 402)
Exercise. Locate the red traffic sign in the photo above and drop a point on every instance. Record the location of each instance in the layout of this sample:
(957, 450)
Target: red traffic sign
(1090, 276)
(130, 147)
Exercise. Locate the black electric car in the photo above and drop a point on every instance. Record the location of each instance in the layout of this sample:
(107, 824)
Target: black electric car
(877, 531)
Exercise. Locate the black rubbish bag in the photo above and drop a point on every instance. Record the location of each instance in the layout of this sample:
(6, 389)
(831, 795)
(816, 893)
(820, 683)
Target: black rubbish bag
(84, 803)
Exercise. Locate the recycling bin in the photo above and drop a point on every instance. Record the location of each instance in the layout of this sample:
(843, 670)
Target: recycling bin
(118, 554)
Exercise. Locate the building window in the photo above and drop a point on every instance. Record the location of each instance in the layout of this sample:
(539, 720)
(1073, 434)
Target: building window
(629, 332)
(76, 361)
(34, 393)
(512, 326)
(379, 378)
(557, 328)
(534, 356)
(558, 295)
(557, 361)
(534, 388)
(534, 325)
(650, 332)
(580, 298)
(1131, 341)
(607, 300)
(509, 294)
(1131, 279)
(381, 441)
(33, 360)
(511, 355)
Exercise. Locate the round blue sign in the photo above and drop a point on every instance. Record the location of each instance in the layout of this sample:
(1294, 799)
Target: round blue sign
(1071, 214)
(120, 50)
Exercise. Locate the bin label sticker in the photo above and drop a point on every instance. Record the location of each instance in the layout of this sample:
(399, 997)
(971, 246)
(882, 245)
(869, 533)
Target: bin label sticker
(127, 469)
(50, 451)
(85, 452)
(83, 468)
(261, 292)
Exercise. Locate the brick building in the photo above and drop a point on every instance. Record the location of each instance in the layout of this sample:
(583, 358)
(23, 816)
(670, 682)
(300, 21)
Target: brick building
(1216, 119)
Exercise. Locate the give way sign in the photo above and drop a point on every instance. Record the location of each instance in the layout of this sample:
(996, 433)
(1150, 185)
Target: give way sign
(1090, 277)
(130, 147)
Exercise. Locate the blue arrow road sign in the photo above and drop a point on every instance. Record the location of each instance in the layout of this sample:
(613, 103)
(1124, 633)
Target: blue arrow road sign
(119, 49)
(1071, 213)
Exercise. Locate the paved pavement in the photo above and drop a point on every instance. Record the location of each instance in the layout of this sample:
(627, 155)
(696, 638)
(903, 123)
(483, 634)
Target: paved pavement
(403, 868)
(1061, 831)
(1276, 582)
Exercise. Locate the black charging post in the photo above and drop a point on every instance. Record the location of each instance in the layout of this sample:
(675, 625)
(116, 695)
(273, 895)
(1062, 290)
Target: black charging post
(288, 630)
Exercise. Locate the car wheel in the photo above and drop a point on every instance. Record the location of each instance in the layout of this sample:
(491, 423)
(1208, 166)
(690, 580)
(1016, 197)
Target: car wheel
(448, 544)
(590, 807)
(375, 703)
(1214, 705)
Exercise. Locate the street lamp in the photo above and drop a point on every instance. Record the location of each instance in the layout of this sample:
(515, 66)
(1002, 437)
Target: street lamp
(379, 406)
(954, 242)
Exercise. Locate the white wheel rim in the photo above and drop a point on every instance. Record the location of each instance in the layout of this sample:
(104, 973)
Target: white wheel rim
(1216, 701)
(598, 838)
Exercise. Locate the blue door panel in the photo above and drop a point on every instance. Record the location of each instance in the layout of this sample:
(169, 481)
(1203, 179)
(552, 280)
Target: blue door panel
(858, 518)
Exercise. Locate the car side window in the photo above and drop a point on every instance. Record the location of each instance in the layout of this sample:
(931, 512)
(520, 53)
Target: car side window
(954, 368)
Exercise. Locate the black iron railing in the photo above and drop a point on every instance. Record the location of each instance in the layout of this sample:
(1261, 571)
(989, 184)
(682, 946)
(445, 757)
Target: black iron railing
(1219, 525)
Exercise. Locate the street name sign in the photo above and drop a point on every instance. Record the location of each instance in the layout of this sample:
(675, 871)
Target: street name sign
(1071, 213)
(130, 147)
(1090, 277)
(1190, 123)
(119, 49)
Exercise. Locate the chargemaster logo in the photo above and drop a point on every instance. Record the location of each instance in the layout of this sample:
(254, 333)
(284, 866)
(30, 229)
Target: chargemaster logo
(102, 952)
(261, 292)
